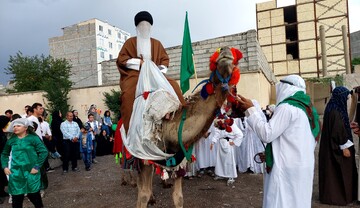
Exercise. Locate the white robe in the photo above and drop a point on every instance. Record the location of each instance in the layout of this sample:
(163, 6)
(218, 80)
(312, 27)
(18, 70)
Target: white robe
(204, 156)
(225, 159)
(250, 146)
(238, 155)
(290, 181)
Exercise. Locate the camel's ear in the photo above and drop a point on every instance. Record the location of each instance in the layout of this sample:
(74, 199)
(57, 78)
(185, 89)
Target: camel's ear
(213, 59)
(237, 55)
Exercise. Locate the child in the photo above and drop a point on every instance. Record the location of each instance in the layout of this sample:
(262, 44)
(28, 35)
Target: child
(28, 155)
(228, 135)
(86, 147)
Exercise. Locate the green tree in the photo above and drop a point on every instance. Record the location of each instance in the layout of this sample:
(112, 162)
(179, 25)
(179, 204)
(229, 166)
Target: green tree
(25, 71)
(57, 84)
(31, 73)
(112, 101)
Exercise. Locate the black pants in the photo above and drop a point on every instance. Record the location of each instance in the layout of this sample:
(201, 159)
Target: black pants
(50, 145)
(35, 198)
(71, 152)
(58, 140)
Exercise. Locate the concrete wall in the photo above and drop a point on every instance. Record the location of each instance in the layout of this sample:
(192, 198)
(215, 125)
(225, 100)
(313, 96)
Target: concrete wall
(78, 46)
(276, 39)
(355, 44)
(80, 99)
(253, 60)
(83, 45)
(251, 85)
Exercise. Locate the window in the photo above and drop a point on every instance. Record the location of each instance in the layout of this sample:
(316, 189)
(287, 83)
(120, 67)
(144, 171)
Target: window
(102, 55)
(119, 35)
(110, 44)
(100, 28)
(101, 42)
(110, 56)
(109, 31)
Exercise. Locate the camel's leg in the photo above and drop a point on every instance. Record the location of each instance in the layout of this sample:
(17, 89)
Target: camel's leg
(132, 179)
(123, 179)
(144, 185)
(177, 194)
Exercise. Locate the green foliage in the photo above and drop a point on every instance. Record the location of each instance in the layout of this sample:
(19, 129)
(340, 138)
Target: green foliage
(355, 61)
(42, 73)
(112, 101)
(57, 84)
(339, 80)
(25, 71)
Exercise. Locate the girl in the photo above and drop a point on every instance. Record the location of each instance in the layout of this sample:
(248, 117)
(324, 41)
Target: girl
(28, 155)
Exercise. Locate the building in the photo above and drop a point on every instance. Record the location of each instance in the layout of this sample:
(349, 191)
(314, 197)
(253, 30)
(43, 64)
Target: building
(256, 80)
(290, 37)
(355, 44)
(85, 45)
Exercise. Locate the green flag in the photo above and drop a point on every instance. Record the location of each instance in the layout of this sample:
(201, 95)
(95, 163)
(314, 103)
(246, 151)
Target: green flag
(187, 63)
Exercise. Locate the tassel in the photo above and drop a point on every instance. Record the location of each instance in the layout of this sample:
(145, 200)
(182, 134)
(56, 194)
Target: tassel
(157, 170)
(121, 156)
(164, 175)
(193, 158)
(116, 158)
(146, 94)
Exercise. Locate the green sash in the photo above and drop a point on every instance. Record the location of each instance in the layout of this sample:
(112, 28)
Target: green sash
(302, 101)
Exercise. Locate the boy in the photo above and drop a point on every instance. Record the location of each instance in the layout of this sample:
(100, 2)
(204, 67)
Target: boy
(93, 127)
(86, 147)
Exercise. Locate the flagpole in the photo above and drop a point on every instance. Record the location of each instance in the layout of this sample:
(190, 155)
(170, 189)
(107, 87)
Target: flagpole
(195, 70)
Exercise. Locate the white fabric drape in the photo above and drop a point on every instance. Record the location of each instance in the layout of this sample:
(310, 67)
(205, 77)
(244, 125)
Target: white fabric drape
(148, 113)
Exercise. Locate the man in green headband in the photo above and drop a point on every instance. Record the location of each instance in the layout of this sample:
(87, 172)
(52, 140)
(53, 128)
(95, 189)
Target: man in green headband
(291, 136)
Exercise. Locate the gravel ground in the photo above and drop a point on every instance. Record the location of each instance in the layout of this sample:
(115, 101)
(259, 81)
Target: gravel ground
(101, 187)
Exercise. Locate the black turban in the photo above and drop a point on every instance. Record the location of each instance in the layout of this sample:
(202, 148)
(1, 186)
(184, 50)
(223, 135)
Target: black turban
(143, 16)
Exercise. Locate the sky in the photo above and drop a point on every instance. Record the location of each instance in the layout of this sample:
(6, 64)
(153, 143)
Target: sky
(26, 25)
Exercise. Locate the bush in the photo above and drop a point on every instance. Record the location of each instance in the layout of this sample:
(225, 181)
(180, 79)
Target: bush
(112, 101)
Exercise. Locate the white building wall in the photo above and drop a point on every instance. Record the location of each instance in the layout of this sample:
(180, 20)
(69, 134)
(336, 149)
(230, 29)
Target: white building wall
(85, 46)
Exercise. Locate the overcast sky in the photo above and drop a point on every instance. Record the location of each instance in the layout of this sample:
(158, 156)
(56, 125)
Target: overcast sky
(26, 25)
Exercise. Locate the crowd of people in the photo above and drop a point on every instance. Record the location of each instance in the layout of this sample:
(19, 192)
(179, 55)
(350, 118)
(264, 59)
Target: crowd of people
(29, 141)
(241, 138)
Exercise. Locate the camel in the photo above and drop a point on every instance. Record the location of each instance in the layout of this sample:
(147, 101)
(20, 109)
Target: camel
(199, 117)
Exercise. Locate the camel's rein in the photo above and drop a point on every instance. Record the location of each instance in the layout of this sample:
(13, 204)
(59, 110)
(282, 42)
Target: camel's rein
(188, 152)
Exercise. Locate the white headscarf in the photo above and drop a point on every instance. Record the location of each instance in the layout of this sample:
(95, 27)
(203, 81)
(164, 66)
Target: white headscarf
(288, 87)
(20, 122)
(143, 43)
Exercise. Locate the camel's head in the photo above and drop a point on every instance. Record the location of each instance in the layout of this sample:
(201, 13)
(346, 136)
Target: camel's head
(224, 66)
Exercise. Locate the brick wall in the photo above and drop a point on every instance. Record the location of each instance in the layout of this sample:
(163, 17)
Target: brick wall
(254, 60)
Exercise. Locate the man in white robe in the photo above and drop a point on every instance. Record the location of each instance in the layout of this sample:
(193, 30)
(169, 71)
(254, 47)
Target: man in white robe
(250, 146)
(290, 182)
(205, 158)
(225, 159)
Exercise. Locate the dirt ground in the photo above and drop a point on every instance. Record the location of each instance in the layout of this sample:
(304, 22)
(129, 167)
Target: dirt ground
(101, 187)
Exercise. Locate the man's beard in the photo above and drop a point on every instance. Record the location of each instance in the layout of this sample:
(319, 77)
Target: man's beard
(143, 44)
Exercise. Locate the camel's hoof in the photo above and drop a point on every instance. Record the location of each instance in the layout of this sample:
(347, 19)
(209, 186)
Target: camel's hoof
(167, 185)
(134, 185)
(124, 183)
(152, 201)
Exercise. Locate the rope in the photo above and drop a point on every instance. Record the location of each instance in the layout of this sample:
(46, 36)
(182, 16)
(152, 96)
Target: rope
(188, 152)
